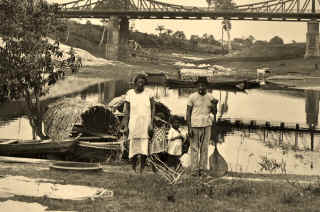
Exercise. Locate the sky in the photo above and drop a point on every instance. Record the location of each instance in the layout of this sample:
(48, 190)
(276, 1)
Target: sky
(260, 30)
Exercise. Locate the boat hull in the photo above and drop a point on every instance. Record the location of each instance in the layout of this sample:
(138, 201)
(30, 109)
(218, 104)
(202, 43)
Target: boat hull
(237, 85)
(36, 147)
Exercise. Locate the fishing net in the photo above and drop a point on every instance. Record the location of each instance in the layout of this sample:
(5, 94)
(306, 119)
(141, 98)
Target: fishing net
(171, 175)
(63, 115)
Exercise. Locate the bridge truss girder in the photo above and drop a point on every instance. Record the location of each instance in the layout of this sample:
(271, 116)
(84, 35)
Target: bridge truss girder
(135, 5)
(266, 6)
(282, 6)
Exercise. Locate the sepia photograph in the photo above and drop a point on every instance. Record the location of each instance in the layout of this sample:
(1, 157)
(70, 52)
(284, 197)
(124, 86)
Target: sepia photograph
(159, 105)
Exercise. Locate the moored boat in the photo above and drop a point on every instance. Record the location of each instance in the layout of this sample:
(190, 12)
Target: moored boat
(235, 85)
(15, 147)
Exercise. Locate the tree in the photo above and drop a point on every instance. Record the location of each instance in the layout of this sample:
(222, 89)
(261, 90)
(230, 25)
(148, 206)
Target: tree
(194, 39)
(160, 28)
(221, 4)
(169, 31)
(260, 42)
(226, 25)
(105, 23)
(179, 35)
(26, 53)
(276, 40)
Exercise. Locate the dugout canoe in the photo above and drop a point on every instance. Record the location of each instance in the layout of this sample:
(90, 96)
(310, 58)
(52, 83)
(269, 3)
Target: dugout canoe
(15, 147)
(236, 85)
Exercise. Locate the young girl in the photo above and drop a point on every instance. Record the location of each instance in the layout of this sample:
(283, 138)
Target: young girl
(175, 140)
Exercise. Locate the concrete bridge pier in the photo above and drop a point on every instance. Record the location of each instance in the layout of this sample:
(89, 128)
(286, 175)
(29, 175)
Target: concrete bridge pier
(117, 47)
(312, 42)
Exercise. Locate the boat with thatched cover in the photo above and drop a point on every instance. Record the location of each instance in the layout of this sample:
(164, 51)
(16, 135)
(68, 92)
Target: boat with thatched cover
(36, 148)
(94, 121)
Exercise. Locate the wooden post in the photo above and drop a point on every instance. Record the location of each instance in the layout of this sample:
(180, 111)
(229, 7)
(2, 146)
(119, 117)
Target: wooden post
(266, 130)
(296, 136)
(312, 140)
(281, 133)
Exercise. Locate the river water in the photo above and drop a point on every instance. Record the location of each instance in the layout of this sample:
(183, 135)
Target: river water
(243, 150)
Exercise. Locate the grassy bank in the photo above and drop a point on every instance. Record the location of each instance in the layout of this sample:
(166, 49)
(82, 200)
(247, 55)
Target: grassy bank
(150, 193)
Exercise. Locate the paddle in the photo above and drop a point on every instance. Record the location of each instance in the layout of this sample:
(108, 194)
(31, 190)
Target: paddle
(218, 165)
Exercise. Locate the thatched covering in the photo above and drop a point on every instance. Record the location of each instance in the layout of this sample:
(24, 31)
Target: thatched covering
(62, 115)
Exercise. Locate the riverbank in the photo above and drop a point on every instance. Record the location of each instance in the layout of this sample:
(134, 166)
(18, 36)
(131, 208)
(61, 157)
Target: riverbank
(149, 192)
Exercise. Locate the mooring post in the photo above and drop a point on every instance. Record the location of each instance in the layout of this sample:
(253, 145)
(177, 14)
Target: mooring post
(296, 136)
(253, 126)
(281, 133)
(312, 140)
(265, 132)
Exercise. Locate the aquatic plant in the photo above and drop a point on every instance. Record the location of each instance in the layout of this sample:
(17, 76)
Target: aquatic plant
(271, 165)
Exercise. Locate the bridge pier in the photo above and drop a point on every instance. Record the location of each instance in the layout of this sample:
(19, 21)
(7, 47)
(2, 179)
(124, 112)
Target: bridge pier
(312, 43)
(117, 47)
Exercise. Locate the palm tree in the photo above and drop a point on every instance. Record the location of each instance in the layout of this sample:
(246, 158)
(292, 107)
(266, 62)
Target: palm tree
(160, 28)
(226, 25)
(104, 22)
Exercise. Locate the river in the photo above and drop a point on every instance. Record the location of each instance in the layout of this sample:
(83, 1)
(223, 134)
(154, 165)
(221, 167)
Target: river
(243, 150)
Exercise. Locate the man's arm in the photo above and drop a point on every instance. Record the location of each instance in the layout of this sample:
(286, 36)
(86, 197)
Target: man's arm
(188, 117)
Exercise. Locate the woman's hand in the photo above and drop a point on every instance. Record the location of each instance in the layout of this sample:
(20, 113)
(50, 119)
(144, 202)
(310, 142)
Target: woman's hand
(150, 130)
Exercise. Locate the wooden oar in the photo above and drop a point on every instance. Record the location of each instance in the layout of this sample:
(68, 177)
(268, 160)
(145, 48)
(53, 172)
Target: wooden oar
(218, 165)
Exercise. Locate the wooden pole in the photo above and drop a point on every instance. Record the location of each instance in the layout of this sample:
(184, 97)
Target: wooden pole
(296, 136)
(312, 140)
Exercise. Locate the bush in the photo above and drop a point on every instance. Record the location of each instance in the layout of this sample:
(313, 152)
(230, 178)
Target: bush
(276, 41)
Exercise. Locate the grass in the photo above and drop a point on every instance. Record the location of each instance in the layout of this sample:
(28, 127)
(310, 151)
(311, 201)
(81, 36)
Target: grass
(150, 193)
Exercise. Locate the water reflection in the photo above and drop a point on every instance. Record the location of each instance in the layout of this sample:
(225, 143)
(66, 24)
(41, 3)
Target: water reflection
(312, 108)
(242, 149)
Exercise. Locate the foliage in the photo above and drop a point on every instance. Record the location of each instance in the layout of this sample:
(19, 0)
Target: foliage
(26, 53)
(160, 28)
(271, 165)
(221, 4)
(276, 40)
(119, 4)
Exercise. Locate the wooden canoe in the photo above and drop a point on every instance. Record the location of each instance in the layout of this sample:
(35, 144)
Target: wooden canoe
(236, 85)
(15, 147)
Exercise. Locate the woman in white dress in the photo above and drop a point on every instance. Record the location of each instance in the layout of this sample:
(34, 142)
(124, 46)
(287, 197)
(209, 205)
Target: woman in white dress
(139, 110)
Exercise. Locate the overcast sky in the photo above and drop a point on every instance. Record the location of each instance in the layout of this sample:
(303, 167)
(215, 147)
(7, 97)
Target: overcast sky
(261, 30)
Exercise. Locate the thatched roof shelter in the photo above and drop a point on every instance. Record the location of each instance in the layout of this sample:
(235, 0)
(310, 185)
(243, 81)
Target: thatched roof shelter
(62, 115)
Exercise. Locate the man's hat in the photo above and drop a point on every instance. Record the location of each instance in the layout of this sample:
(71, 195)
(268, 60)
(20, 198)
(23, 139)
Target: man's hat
(201, 80)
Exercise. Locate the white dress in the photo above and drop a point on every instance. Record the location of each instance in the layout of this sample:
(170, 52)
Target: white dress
(140, 119)
(174, 146)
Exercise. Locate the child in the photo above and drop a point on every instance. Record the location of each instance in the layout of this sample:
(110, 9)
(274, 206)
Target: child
(158, 143)
(175, 140)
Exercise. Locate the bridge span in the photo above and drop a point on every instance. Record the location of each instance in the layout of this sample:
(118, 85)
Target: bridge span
(119, 12)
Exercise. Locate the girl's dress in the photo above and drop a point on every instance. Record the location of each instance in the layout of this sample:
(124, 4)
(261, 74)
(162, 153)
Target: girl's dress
(159, 142)
(140, 119)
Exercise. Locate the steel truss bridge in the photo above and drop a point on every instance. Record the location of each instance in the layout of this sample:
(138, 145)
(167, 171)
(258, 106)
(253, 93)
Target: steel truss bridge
(267, 10)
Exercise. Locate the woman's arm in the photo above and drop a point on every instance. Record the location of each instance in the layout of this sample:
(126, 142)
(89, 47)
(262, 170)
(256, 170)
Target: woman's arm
(126, 118)
(153, 110)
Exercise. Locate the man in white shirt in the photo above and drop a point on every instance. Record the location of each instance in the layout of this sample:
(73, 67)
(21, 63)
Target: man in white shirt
(200, 105)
